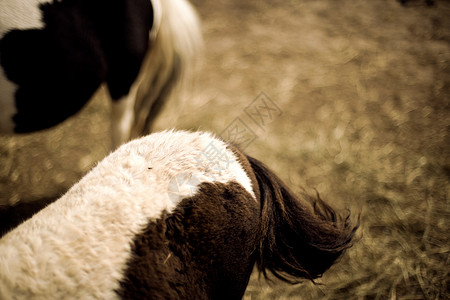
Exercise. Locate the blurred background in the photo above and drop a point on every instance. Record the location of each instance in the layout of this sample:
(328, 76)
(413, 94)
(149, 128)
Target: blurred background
(361, 91)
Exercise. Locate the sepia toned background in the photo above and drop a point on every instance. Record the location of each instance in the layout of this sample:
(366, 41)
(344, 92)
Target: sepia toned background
(362, 92)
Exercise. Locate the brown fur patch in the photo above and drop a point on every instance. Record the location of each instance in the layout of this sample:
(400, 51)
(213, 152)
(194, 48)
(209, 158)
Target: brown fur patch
(205, 249)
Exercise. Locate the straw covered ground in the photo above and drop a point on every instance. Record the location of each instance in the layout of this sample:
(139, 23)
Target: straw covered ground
(358, 97)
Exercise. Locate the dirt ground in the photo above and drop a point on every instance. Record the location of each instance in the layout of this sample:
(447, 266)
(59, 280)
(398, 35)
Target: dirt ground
(359, 92)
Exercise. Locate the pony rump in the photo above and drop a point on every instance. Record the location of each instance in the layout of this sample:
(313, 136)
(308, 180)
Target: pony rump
(295, 240)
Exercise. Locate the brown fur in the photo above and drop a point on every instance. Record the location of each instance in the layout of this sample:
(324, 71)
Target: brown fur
(205, 249)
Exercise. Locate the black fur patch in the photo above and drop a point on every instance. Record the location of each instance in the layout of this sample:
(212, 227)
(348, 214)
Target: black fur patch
(123, 28)
(205, 249)
(83, 43)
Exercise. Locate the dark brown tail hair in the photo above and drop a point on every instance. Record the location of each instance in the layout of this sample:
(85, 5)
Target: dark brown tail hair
(296, 241)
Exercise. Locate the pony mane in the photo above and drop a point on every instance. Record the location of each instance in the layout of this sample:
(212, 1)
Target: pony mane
(295, 240)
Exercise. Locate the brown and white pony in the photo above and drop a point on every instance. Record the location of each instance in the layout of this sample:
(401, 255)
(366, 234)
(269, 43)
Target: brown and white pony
(55, 54)
(173, 215)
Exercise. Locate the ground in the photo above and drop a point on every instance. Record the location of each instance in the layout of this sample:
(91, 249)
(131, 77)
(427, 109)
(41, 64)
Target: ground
(358, 96)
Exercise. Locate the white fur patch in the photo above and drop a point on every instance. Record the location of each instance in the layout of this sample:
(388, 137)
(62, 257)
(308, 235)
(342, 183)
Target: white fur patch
(78, 246)
(20, 14)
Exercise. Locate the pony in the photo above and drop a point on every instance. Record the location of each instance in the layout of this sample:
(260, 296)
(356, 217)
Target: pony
(172, 215)
(54, 55)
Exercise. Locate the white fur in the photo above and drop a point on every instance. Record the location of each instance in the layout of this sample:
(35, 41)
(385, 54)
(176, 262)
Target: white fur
(175, 41)
(77, 247)
(19, 14)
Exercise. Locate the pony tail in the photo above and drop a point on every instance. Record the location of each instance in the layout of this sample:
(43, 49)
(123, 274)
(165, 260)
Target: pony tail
(176, 43)
(296, 241)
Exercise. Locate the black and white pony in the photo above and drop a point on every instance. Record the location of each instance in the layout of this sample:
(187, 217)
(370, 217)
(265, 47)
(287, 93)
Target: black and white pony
(55, 54)
(173, 215)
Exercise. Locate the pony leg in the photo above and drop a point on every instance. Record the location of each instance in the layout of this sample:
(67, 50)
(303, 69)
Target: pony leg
(122, 118)
(7, 104)
(176, 42)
